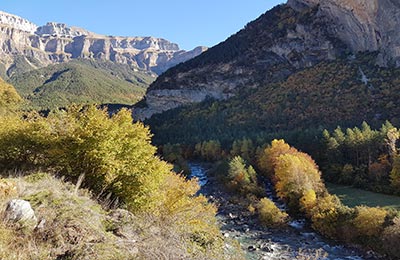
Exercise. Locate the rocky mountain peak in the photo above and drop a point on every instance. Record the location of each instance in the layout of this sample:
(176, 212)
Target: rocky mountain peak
(57, 42)
(60, 30)
(17, 22)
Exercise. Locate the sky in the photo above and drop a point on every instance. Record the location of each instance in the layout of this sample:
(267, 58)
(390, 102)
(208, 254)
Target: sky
(186, 22)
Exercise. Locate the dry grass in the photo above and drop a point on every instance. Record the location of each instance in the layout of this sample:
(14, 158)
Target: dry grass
(77, 227)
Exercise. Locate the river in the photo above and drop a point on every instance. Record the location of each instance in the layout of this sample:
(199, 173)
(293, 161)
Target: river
(297, 241)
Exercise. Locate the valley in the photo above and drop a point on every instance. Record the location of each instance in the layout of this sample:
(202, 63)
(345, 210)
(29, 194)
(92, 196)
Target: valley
(292, 242)
(280, 142)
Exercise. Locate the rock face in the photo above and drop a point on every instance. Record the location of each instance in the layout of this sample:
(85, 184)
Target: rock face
(19, 211)
(56, 42)
(17, 22)
(363, 25)
(286, 39)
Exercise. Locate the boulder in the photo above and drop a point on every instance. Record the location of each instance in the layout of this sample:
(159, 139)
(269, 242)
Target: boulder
(19, 211)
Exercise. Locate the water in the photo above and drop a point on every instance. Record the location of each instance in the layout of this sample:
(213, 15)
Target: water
(263, 243)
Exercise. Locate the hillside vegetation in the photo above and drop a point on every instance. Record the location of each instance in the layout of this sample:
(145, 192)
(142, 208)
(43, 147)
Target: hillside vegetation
(81, 82)
(157, 213)
(8, 95)
(324, 96)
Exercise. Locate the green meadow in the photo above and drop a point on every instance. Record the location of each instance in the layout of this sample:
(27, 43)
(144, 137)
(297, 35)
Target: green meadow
(352, 197)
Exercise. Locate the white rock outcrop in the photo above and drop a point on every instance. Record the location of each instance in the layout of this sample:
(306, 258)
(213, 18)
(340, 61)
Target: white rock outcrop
(19, 211)
(17, 22)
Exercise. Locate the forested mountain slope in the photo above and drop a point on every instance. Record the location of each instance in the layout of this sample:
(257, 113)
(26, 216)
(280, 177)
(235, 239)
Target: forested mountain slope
(342, 92)
(305, 64)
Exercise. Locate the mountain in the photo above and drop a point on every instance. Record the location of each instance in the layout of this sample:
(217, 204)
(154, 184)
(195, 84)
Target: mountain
(81, 82)
(55, 65)
(57, 42)
(283, 41)
(341, 92)
(299, 68)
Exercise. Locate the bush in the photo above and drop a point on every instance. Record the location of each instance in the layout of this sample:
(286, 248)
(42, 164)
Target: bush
(269, 214)
(369, 221)
(116, 158)
(391, 239)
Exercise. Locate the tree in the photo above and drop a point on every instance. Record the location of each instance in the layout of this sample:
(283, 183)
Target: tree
(395, 174)
(269, 214)
(295, 175)
(242, 177)
(268, 159)
(369, 221)
(9, 97)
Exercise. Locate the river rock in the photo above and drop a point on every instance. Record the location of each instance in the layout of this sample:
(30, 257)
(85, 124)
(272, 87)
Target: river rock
(252, 248)
(266, 248)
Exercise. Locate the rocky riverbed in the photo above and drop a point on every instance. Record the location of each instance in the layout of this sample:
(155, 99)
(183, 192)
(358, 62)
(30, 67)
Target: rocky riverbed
(296, 241)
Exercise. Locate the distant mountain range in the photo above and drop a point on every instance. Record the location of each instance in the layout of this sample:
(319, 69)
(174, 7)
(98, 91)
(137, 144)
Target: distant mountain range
(27, 49)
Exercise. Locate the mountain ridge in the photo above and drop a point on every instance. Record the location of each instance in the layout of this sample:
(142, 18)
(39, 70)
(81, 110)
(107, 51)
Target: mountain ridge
(56, 43)
(288, 38)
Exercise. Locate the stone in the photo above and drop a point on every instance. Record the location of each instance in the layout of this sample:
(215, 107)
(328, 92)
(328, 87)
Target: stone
(19, 211)
(251, 248)
(266, 248)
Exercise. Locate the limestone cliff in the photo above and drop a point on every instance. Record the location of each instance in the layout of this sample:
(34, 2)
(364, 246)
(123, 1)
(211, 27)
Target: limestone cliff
(371, 25)
(284, 40)
(57, 42)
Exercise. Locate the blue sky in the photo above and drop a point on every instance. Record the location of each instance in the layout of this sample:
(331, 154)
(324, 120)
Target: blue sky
(186, 22)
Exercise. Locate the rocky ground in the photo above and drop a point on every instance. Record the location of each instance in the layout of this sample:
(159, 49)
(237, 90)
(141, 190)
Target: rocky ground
(296, 241)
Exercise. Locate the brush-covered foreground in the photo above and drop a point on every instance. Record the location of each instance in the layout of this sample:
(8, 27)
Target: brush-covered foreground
(160, 215)
(78, 227)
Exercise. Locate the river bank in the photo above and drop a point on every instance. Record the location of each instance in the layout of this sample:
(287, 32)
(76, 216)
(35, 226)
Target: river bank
(296, 241)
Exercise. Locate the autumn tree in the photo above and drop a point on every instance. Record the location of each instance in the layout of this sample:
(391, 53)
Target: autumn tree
(242, 177)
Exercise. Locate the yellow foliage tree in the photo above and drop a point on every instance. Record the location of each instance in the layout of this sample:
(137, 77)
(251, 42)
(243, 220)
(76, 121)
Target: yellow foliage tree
(308, 201)
(369, 221)
(325, 215)
(269, 214)
(295, 174)
(268, 159)
(9, 97)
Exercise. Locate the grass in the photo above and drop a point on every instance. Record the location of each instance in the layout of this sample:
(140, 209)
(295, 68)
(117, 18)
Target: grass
(355, 197)
(78, 227)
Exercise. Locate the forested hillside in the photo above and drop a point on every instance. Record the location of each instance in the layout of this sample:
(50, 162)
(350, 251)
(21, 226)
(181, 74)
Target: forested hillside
(343, 92)
(81, 82)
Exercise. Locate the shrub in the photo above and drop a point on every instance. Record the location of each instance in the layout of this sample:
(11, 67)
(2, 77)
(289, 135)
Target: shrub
(391, 239)
(369, 221)
(269, 214)
(325, 215)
